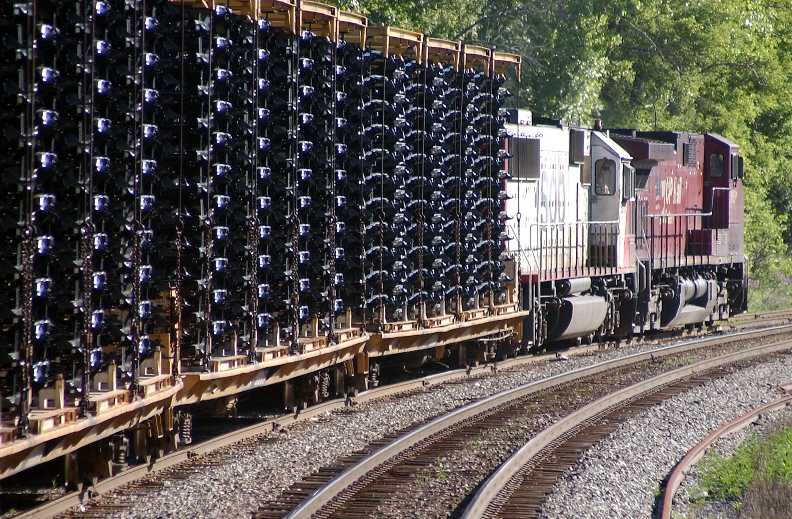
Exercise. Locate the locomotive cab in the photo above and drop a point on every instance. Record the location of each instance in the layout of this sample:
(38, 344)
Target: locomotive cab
(723, 171)
(612, 193)
(613, 178)
(724, 201)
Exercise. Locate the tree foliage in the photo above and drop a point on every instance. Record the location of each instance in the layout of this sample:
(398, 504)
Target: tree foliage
(701, 65)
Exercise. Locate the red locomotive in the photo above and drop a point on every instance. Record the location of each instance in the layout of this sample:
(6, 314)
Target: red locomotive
(621, 231)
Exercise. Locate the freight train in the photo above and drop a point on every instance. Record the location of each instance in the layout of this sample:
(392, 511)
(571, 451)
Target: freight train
(202, 199)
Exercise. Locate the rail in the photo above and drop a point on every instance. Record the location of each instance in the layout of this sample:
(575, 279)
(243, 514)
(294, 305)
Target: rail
(695, 454)
(64, 503)
(771, 315)
(485, 502)
(336, 487)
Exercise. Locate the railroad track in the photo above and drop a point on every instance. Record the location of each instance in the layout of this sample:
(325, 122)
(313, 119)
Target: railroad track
(775, 314)
(358, 486)
(520, 485)
(755, 320)
(133, 476)
(66, 503)
(677, 475)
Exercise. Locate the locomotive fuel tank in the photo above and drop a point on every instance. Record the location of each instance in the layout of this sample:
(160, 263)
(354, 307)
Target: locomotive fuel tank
(578, 316)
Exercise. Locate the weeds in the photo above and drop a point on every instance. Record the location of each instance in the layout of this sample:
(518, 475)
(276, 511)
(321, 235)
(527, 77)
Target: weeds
(756, 479)
(767, 499)
(727, 478)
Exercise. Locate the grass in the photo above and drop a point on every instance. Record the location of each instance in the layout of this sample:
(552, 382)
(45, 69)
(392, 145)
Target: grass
(756, 479)
(769, 294)
(727, 478)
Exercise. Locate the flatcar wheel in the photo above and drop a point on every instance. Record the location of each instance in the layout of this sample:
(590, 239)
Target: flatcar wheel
(504, 351)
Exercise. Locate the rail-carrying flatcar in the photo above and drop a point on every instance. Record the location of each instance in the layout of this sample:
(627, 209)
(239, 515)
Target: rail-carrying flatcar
(234, 195)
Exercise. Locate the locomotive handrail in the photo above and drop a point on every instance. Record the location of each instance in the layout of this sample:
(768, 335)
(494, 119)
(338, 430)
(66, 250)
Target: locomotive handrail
(666, 219)
(564, 236)
(588, 222)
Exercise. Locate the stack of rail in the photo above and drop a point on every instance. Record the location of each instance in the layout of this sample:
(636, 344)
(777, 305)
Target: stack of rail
(205, 198)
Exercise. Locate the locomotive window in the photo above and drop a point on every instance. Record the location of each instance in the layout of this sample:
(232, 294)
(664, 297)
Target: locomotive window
(736, 166)
(715, 165)
(605, 177)
(628, 186)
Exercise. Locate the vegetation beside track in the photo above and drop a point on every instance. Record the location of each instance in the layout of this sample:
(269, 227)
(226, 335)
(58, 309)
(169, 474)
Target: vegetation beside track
(756, 479)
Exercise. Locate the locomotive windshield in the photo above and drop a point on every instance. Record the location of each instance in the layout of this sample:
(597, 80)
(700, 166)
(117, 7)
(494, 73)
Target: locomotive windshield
(715, 165)
(605, 177)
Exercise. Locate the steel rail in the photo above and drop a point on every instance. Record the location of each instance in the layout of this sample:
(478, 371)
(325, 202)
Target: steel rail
(323, 496)
(760, 316)
(695, 454)
(485, 498)
(68, 501)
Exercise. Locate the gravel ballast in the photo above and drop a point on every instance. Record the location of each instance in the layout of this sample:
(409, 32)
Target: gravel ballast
(620, 477)
(238, 480)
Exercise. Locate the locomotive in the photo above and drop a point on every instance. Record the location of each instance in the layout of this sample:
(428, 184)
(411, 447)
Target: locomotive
(622, 232)
(206, 198)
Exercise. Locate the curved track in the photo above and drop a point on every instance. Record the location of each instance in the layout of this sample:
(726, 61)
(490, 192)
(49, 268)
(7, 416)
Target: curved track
(520, 485)
(693, 455)
(74, 499)
(755, 320)
(360, 486)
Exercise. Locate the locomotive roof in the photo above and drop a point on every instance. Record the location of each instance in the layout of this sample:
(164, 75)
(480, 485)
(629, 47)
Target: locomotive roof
(643, 148)
(668, 136)
(624, 133)
(723, 139)
(612, 145)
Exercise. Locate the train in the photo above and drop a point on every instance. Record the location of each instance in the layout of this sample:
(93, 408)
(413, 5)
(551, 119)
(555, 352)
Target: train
(621, 232)
(207, 198)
